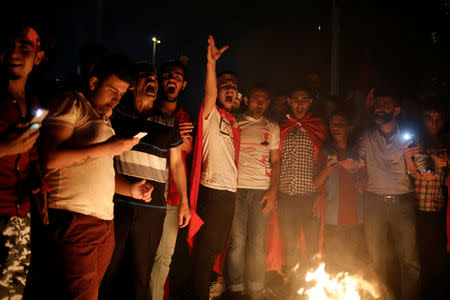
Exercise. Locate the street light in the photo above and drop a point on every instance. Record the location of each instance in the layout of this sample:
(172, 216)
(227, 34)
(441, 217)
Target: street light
(155, 41)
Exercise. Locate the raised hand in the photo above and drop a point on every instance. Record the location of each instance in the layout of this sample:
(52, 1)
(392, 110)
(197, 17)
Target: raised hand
(410, 152)
(214, 53)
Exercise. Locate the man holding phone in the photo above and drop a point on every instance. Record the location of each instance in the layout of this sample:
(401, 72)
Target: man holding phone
(19, 179)
(139, 225)
(389, 199)
(78, 146)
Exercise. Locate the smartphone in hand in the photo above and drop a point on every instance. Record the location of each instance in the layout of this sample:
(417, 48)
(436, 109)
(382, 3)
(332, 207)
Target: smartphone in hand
(140, 135)
(333, 159)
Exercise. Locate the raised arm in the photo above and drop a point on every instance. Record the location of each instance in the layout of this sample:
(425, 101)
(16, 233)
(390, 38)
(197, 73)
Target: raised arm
(211, 81)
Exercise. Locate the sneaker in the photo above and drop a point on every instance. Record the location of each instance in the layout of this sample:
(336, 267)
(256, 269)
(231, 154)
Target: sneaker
(216, 289)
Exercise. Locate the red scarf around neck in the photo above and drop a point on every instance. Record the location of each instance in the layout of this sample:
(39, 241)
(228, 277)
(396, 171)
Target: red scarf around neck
(317, 132)
(196, 222)
(314, 127)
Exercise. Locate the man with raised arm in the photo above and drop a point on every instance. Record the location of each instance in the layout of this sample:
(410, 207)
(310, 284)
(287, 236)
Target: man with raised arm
(214, 174)
(78, 146)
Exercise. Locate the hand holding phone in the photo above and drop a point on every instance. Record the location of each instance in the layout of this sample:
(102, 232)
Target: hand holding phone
(39, 115)
(332, 158)
(140, 135)
(36, 121)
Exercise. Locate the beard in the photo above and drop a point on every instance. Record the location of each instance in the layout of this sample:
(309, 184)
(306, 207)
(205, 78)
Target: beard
(383, 118)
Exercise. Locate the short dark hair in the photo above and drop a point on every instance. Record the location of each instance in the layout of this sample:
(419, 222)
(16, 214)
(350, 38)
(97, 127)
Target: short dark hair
(15, 30)
(435, 103)
(304, 89)
(142, 68)
(388, 92)
(345, 112)
(258, 86)
(113, 64)
(226, 72)
(173, 63)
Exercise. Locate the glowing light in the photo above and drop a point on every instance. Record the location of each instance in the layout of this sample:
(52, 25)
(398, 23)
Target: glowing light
(407, 136)
(39, 113)
(339, 287)
(154, 39)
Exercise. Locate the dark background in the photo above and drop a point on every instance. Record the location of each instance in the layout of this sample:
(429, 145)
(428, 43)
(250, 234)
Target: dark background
(277, 42)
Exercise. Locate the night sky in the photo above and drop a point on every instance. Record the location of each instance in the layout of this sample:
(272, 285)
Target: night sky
(276, 42)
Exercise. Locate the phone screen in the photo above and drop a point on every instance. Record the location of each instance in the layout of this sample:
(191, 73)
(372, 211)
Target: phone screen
(39, 115)
(333, 158)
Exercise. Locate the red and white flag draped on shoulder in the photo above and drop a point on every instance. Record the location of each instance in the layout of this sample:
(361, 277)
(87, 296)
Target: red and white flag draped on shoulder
(196, 222)
(317, 132)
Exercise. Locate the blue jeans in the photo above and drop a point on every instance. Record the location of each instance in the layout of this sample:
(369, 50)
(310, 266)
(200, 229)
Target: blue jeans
(398, 217)
(247, 243)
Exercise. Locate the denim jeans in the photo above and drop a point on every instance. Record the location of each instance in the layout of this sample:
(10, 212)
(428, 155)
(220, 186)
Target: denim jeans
(161, 265)
(398, 217)
(247, 248)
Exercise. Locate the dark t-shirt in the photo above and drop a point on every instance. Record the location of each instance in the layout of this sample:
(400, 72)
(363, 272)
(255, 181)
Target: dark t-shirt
(149, 158)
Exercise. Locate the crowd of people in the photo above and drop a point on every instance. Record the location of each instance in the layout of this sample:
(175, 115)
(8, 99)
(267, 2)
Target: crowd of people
(94, 186)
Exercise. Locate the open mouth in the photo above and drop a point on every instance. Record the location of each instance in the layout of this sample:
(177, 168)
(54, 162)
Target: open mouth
(171, 89)
(229, 99)
(150, 89)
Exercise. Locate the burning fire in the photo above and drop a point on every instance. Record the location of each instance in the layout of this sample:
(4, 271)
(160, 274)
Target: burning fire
(336, 287)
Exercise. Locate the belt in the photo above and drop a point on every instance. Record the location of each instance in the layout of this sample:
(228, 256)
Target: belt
(392, 199)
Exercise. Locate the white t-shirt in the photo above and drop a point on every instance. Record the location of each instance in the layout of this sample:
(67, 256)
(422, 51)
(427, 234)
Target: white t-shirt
(88, 187)
(218, 168)
(258, 138)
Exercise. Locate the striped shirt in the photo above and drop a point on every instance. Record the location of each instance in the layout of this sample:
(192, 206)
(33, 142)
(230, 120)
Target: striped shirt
(148, 159)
